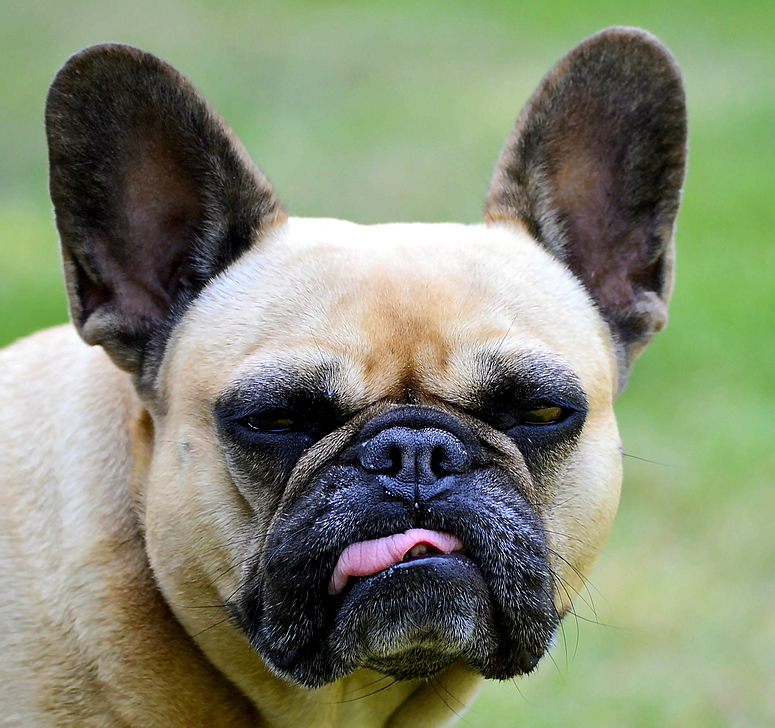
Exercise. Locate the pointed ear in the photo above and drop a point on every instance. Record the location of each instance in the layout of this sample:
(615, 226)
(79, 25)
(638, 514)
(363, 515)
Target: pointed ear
(594, 168)
(153, 197)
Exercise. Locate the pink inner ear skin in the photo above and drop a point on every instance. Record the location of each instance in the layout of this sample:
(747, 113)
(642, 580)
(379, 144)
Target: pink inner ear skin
(365, 558)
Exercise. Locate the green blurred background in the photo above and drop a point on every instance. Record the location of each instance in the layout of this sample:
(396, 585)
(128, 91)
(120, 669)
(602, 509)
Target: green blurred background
(396, 111)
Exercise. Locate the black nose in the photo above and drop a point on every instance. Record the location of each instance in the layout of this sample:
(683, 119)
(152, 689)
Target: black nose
(413, 462)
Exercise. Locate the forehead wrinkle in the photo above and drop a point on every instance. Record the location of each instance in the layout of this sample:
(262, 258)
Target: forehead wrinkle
(405, 330)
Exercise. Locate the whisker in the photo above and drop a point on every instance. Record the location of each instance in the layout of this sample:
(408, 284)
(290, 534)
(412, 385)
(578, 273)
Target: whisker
(367, 685)
(211, 626)
(519, 690)
(463, 705)
(368, 695)
(654, 462)
(444, 701)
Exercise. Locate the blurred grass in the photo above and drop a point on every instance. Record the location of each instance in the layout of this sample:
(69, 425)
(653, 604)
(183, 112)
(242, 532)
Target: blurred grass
(396, 111)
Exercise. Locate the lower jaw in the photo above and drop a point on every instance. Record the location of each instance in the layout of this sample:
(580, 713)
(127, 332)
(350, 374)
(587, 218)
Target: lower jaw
(416, 618)
(411, 621)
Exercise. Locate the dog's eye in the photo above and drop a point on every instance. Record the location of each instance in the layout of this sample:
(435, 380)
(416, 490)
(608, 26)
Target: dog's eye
(542, 415)
(269, 423)
(539, 415)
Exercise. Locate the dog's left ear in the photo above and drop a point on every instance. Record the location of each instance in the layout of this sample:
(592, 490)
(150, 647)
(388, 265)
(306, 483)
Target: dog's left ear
(154, 196)
(594, 168)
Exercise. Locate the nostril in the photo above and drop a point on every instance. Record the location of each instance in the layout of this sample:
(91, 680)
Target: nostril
(448, 456)
(439, 462)
(395, 457)
(382, 456)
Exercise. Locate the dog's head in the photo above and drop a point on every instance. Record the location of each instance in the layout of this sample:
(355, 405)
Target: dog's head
(389, 446)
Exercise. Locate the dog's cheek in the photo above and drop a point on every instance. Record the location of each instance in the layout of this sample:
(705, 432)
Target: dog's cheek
(583, 506)
(196, 523)
(259, 479)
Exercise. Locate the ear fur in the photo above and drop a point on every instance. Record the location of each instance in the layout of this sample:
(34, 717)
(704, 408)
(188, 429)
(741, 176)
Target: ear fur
(153, 197)
(594, 168)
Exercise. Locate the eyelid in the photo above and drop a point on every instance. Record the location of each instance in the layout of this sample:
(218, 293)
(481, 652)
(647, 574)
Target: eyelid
(285, 423)
(562, 414)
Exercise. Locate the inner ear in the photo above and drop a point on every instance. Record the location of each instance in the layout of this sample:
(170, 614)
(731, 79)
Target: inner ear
(608, 187)
(159, 213)
(593, 169)
(153, 194)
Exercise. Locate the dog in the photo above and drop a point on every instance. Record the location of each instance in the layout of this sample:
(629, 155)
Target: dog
(312, 472)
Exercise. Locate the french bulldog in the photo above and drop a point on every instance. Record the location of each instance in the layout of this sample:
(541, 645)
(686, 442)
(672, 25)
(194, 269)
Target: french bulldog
(318, 473)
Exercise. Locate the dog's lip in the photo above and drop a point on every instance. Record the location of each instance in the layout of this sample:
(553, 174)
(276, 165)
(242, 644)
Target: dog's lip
(365, 558)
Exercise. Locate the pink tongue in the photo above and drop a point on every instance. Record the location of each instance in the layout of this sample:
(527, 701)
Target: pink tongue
(365, 558)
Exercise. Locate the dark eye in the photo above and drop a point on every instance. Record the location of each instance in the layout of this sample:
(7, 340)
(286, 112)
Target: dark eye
(539, 414)
(542, 415)
(270, 422)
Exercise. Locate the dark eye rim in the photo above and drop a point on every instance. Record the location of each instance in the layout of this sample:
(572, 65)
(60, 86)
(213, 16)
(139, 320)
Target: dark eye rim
(290, 423)
(510, 420)
(269, 425)
(564, 413)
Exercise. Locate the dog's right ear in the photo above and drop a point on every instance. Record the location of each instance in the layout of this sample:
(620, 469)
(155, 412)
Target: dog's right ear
(153, 197)
(593, 169)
